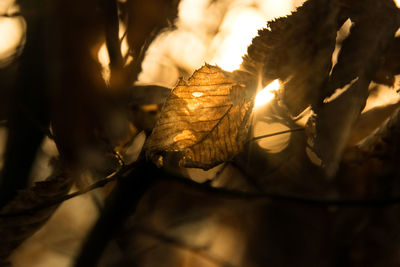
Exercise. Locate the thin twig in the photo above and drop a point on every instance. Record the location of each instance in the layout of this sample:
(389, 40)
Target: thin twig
(123, 37)
(101, 183)
(136, 65)
(119, 158)
(119, 205)
(277, 133)
(268, 196)
(110, 10)
(201, 251)
(217, 192)
(13, 15)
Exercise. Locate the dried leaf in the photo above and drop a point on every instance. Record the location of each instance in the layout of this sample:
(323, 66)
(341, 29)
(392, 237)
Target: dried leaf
(371, 168)
(144, 20)
(370, 121)
(391, 64)
(204, 119)
(335, 121)
(374, 26)
(296, 49)
(359, 59)
(15, 229)
(384, 142)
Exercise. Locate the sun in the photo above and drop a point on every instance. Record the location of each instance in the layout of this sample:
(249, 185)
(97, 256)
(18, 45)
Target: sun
(267, 94)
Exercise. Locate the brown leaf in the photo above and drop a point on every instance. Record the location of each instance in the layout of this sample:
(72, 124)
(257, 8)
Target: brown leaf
(390, 65)
(371, 167)
(15, 229)
(204, 119)
(369, 121)
(335, 121)
(296, 49)
(374, 26)
(384, 142)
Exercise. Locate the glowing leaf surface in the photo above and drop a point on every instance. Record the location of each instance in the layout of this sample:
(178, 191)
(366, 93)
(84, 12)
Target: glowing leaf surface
(204, 120)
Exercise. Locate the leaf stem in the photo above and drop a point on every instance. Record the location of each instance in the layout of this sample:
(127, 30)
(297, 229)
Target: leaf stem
(277, 133)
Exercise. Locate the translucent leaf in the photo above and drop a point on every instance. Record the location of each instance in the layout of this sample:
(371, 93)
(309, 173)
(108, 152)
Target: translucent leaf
(297, 49)
(205, 120)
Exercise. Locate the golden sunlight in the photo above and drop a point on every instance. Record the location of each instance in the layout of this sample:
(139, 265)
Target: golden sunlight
(273, 144)
(104, 59)
(215, 32)
(397, 3)
(11, 31)
(240, 27)
(267, 94)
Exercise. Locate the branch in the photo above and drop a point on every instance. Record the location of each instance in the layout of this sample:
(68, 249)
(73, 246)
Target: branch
(217, 192)
(110, 10)
(201, 251)
(121, 203)
(135, 68)
(13, 15)
(124, 171)
(277, 133)
(268, 196)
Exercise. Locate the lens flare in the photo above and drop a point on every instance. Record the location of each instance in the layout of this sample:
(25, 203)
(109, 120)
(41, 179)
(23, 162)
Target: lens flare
(267, 94)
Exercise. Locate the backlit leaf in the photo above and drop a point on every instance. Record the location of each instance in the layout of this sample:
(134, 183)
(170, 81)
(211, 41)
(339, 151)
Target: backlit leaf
(204, 119)
(296, 49)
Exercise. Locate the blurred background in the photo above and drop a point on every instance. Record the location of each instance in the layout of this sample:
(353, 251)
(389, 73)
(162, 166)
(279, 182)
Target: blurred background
(205, 31)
